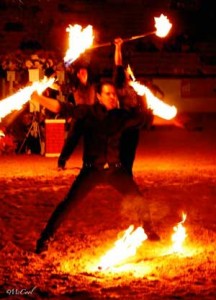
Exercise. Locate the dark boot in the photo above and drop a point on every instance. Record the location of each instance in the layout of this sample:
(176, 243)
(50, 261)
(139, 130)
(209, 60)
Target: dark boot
(61, 164)
(42, 245)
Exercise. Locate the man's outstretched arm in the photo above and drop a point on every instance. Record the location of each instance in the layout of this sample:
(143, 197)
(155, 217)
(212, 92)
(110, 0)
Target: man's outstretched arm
(50, 103)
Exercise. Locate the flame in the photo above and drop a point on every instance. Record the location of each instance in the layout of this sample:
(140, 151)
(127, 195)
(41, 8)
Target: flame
(163, 26)
(130, 73)
(124, 248)
(179, 236)
(1, 133)
(17, 100)
(158, 107)
(79, 40)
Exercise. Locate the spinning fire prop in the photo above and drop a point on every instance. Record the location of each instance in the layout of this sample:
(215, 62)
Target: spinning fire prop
(16, 101)
(158, 107)
(162, 25)
(79, 40)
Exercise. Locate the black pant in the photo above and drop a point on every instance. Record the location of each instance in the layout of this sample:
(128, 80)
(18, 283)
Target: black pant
(128, 147)
(88, 178)
(65, 152)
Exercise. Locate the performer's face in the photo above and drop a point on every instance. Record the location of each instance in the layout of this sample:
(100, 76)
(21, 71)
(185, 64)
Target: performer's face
(108, 96)
(83, 75)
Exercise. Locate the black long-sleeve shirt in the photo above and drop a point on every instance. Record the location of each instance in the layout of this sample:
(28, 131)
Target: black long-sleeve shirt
(128, 98)
(101, 130)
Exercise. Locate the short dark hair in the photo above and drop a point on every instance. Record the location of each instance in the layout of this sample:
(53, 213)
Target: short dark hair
(49, 72)
(103, 82)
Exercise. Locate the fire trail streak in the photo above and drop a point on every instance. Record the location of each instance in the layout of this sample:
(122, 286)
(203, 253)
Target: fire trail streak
(17, 100)
(159, 108)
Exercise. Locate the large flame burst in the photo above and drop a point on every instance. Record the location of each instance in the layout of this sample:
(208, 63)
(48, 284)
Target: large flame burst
(17, 100)
(162, 25)
(159, 108)
(124, 248)
(79, 40)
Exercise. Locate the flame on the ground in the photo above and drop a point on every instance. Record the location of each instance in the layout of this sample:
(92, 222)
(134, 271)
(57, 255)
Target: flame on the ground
(124, 248)
(163, 26)
(159, 107)
(17, 100)
(79, 40)
(179, 236)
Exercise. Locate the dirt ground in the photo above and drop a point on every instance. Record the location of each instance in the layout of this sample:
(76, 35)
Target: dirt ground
(175, 169)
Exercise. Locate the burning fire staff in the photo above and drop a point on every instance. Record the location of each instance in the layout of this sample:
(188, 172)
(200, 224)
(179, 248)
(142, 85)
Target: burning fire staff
(101, 126)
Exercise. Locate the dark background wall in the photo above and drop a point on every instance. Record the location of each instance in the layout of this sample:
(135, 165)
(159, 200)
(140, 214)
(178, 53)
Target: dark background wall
(41, 24)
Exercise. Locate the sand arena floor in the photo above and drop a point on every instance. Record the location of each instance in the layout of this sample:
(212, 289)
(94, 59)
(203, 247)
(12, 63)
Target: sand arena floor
(175, 169)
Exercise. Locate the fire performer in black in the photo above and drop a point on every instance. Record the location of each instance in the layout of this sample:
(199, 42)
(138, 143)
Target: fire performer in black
(83, 93)
(130, 101)
(101, 126)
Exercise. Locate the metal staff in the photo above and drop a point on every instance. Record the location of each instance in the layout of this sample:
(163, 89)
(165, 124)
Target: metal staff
(162, 26)
(81, 39)
(125, 40)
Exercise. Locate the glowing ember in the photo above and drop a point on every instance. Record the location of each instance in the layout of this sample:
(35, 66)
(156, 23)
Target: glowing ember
(179, 236)
(162, 25)
(124, 248)
(17, 100)
(159, 108)
(79, 40)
